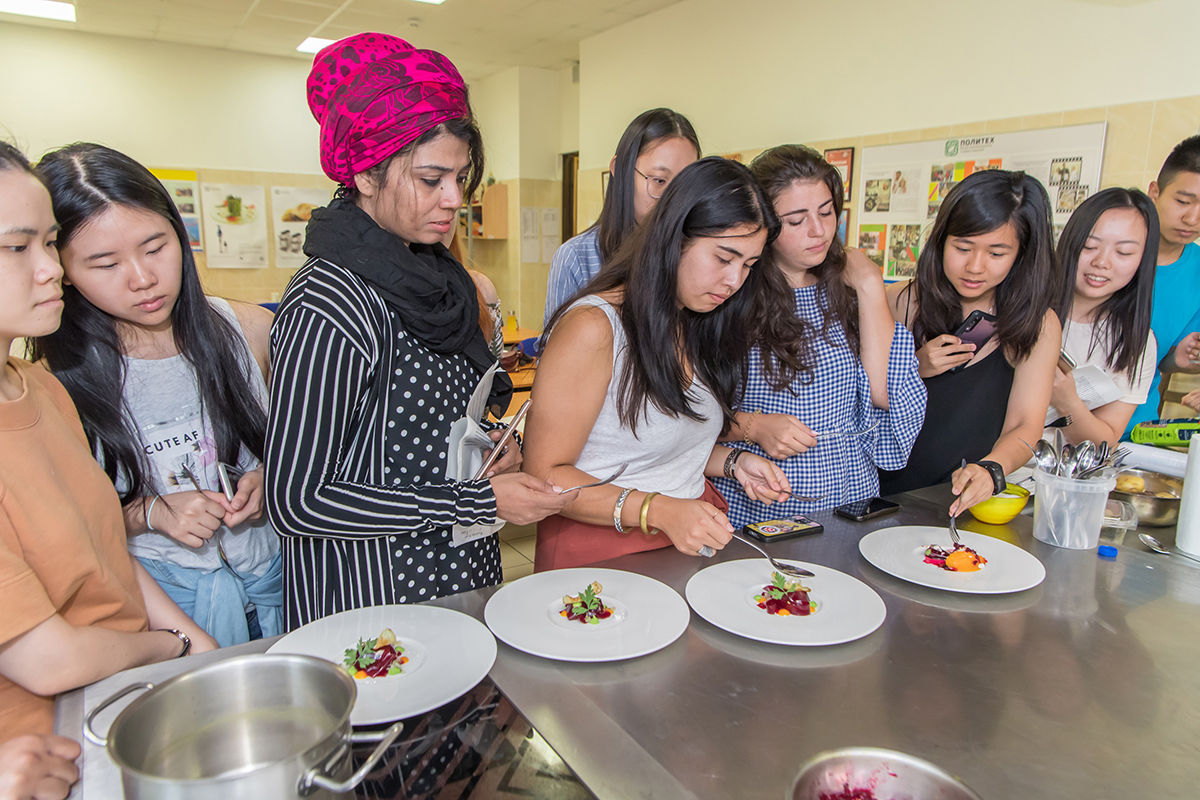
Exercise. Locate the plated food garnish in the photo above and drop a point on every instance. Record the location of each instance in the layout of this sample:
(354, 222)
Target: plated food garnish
(959, 559)
(375, 658)
(785, 598)
(586, 607)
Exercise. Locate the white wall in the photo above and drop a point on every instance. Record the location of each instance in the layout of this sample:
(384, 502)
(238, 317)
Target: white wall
(496, 101)
(162, 104)
(761, 72)
(540, 123)
(568, 98)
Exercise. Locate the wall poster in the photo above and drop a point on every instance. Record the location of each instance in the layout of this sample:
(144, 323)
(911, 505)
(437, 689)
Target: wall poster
(184, 189)
(842, 159)
(291, 208)
(901, 187)
(235, 225)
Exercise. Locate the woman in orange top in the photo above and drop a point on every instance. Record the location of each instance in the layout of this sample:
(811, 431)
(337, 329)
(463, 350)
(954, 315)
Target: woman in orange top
(76, 607)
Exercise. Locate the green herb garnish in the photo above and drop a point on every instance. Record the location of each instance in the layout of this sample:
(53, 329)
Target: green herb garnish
(360, 656)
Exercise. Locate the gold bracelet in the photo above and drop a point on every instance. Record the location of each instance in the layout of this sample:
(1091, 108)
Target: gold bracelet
(646, 512)
(746, 433)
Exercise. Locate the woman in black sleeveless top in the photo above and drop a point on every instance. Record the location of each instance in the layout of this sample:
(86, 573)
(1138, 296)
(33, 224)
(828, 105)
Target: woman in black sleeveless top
(990, 250)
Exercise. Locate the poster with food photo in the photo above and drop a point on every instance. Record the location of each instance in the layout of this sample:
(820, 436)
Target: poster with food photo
(291, 209)
(235, 225)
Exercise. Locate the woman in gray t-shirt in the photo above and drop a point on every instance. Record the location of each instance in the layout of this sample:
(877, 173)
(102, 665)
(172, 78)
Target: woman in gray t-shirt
(170, 386)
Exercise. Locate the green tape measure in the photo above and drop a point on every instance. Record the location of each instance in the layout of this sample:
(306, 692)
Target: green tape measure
(1165, 432)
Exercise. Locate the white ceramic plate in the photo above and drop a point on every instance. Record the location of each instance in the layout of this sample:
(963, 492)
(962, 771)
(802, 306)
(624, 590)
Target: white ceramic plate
(449, 654)
(900, 552)
(648, 615)
(847, 609)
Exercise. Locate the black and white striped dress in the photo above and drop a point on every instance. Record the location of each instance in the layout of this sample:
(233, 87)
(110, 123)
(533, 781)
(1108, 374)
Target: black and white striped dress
(356, 452)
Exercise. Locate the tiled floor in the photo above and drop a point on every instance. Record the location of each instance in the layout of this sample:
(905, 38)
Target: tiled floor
(516, 550)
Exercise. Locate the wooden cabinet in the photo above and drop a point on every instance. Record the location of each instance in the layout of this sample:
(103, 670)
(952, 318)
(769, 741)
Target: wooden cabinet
(489, 218)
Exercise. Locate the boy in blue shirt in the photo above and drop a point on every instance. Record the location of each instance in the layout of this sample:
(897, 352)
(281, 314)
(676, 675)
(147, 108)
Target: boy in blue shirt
(1175, 318)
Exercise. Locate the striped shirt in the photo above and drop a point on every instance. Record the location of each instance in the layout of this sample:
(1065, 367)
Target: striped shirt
(575, 263)
(355, 461)
(841, 469)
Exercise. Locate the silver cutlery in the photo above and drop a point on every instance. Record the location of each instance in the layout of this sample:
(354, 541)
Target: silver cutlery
(953, 524)
(1159, 547)
(786, 569)
(191, 476)
(620, 471)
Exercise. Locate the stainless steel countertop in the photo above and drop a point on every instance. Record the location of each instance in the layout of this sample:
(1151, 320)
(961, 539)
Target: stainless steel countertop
(1085, 687)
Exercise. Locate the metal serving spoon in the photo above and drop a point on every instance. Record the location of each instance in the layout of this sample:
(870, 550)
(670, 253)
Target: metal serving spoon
(786, 569)
(1158, 547)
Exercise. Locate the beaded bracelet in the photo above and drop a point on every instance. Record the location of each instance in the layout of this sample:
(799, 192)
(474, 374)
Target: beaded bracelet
(731, 460)
(646, 512)
(620, 505)
(150, 508)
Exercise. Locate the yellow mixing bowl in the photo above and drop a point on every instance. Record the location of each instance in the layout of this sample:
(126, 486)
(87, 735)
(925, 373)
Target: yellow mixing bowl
(999, 510)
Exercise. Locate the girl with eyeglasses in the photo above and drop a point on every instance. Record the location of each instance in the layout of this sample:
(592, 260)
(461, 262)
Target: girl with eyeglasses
(643, 370)
(654, 148)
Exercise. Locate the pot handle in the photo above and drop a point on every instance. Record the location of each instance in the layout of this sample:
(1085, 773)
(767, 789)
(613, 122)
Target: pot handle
(316, 776)
(91, 735)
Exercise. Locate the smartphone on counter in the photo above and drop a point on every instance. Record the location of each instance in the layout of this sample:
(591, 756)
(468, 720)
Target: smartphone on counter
(866, 509)
(777, 530)
(977, 329)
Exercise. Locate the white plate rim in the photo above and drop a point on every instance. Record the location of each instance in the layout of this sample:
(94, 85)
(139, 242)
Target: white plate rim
(820, 585)
(470, 658)
(946, 581)
(537, 590)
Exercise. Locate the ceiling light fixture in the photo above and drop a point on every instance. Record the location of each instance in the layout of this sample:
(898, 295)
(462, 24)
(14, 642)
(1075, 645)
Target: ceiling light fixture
(46, 9)
(310, 45)
(430, 2)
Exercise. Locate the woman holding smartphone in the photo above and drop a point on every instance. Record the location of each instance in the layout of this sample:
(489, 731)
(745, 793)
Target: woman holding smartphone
(377, 348)
(1108, 251)
(171, 387)
(989, 251)
(654, 148)
(642, 369)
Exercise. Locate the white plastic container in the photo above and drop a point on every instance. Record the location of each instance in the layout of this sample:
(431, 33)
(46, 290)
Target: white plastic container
(1187, 529)
(1068, 512)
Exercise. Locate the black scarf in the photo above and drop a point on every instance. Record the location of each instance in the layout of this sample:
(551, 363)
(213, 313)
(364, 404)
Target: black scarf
(431, 292)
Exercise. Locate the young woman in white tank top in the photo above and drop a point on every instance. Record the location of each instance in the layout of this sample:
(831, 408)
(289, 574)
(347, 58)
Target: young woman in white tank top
(169, 385)
(643, 365)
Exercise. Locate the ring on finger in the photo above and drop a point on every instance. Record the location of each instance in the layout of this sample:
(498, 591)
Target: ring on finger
(706, 551)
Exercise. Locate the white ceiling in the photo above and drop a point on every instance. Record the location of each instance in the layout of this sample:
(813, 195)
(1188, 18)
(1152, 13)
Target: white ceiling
(481, 37)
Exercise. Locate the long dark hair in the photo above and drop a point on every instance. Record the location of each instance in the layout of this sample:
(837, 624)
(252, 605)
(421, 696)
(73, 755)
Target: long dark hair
(1122, 322)
(983, 202)
(85, 353)
(706, 199)
(777, 169)
(617, 220)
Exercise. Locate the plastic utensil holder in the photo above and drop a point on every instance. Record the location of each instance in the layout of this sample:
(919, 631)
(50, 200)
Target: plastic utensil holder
(1068, 512)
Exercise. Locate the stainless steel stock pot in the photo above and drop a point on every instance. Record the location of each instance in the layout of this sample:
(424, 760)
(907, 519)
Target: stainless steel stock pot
(256, 726)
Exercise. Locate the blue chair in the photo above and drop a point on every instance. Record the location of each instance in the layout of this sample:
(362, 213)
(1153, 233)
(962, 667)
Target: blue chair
(530, 346)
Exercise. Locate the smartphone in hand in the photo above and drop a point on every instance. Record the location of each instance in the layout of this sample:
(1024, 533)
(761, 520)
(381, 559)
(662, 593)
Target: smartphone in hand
(977, 329)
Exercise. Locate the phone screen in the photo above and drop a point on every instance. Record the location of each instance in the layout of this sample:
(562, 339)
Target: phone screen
(865, 509)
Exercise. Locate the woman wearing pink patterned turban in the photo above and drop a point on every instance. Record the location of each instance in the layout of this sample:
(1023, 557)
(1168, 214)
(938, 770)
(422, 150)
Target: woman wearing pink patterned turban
(377, 349)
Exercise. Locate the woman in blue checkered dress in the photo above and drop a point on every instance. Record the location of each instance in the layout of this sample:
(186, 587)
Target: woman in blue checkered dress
(862, 369)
